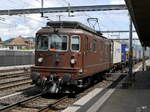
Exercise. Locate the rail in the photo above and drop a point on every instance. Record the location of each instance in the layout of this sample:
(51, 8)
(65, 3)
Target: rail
(22, 103)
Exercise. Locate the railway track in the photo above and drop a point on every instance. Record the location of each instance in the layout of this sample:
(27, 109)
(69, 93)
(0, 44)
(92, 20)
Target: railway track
(15, 84)
(12, 81)
(8, 81)
(33, 104)
(39, 104)
(13, 75)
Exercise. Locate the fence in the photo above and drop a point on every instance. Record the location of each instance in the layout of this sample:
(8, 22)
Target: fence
(11, 58)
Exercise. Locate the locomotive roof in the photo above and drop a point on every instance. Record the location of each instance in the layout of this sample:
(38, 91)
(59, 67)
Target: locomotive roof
(73, 25)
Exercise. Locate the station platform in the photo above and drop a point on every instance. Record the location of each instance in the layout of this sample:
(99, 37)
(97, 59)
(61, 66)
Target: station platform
(135, 98)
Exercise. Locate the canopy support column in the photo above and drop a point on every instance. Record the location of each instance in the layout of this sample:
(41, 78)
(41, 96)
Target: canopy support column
(130, 51)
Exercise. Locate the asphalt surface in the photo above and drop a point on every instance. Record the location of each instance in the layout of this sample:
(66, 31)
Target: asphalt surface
(136, 98)
(133, 99)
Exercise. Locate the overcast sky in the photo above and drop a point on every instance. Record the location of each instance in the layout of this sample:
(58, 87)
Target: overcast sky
(27, 25)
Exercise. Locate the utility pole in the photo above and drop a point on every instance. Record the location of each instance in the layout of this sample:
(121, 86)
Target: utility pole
(69, 10)
(59, 17)
(130, 51)
(42, 6)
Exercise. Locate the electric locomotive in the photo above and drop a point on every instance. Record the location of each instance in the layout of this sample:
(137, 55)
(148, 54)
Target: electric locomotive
(67, 55)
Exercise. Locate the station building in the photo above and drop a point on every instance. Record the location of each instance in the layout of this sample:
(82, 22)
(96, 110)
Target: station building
(20, 43)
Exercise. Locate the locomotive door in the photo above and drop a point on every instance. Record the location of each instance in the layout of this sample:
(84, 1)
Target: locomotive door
(86, 57)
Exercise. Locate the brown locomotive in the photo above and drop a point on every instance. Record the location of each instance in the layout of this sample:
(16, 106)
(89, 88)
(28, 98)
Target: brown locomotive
(67, 56)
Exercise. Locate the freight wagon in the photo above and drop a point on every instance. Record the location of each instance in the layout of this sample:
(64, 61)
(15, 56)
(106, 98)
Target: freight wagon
(124, 55)
(116, 55)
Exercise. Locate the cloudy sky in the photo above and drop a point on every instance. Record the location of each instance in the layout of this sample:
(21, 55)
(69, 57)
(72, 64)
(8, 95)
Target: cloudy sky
(27, 25)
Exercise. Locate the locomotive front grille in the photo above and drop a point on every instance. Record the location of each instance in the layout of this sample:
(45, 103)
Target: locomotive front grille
(54, 69)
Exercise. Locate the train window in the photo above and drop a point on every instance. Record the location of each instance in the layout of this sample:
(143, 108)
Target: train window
(58, 42)
(42, 43)
(86, 44)
(75, 43)
(94, 45)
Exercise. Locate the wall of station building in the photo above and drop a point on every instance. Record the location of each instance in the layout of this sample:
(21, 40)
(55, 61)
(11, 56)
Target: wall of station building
(11, 58)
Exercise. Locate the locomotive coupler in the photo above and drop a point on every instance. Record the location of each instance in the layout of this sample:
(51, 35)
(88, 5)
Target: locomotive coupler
(53, 84)
(54, 88)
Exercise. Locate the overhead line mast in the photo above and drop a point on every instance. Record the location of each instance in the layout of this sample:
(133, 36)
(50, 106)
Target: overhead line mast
(42, 6)
(63, 9)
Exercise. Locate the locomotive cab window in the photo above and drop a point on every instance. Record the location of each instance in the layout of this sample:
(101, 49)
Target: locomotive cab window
(42, 43)
(58, 42)
(75, 43)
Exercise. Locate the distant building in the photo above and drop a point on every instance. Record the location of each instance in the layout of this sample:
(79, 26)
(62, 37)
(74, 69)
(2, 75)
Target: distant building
(20, 43)
(1, 43)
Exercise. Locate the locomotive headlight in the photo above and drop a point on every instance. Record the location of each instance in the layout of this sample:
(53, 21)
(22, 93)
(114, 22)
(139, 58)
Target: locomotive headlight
(40, 60)
(73, 61)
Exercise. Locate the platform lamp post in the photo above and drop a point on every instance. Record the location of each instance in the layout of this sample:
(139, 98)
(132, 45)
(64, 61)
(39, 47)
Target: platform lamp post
(130, 51)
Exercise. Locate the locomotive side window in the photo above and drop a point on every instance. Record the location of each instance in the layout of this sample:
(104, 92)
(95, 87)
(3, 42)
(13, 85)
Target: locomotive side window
(58, 42)
(75, 43)
(87, 46)
(42, 43)
(94, 45)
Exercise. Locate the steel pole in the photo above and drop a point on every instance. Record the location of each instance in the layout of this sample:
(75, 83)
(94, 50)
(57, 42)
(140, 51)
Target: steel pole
(42, 6)
(130, 50)
(143, 64)
(59, 16)
(62, 9)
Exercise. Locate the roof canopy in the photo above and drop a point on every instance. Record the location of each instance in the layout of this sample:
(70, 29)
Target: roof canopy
(139, 11)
